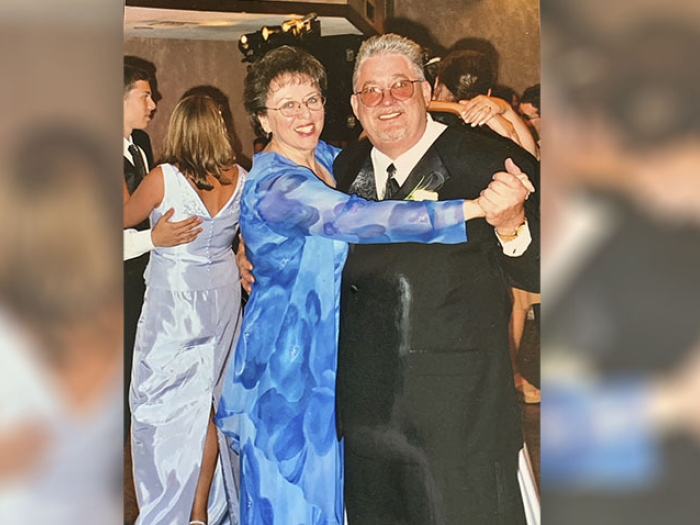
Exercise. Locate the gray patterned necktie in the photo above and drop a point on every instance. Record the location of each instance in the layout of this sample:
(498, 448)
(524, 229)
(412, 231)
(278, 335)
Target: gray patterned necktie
(392, 186)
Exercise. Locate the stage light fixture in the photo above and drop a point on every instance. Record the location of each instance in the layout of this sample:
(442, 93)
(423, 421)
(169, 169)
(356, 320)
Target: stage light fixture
(290, 32)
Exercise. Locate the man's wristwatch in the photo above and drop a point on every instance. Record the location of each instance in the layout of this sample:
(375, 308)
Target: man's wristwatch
(507, 237)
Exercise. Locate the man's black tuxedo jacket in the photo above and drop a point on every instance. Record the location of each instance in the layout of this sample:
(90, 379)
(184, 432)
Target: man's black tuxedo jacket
(426, 401)
(134, 268)
(143, 141)
(134, 285)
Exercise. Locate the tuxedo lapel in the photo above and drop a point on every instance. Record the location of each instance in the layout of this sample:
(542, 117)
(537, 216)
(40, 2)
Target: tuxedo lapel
(429, 174)
(364, 184)
(131, 175)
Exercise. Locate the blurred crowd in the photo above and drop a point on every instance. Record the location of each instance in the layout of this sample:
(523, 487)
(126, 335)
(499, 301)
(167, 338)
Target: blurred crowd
(620, 352)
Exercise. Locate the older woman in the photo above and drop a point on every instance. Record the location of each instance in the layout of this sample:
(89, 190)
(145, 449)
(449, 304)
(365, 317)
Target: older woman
(278, 402)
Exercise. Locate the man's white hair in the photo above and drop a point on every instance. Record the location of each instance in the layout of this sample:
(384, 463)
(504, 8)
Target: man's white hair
(390, 44)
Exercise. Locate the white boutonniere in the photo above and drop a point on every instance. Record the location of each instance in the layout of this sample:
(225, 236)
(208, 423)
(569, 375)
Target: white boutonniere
(421, 191)
(422, 195)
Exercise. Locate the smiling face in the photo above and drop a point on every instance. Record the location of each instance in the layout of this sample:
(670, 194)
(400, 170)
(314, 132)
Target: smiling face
(138, 107)
(299, 134)
(392, 126)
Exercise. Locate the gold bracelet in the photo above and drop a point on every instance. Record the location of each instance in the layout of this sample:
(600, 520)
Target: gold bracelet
(506, 237)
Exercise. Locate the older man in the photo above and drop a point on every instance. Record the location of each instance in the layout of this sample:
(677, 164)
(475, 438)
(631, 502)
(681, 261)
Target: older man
(426, 400)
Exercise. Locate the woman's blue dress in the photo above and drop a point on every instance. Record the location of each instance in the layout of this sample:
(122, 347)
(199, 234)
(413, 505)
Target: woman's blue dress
(278, 402)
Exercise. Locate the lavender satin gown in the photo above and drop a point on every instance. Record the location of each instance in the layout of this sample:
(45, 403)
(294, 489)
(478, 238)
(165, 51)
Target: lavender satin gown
(278, 403)
(188, 326)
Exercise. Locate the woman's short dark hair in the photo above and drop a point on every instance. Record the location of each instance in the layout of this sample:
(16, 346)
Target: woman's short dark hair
(532, 96)
(284, 61)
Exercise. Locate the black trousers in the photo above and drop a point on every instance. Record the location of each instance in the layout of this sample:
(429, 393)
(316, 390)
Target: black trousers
(134, 289)
(393, 492)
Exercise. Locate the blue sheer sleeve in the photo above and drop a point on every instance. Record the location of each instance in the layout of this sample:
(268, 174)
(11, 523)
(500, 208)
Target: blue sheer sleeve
(292, 201)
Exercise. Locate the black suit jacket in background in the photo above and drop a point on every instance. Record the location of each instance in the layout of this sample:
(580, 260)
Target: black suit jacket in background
(134, 285)
(426, 401)
(143, 141)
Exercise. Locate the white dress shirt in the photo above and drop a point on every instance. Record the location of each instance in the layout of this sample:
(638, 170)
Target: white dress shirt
(405, 163)
(136, 242)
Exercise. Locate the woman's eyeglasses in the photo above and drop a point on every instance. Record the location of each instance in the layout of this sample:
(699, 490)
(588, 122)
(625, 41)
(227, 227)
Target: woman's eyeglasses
(292, 108)
(400, 90)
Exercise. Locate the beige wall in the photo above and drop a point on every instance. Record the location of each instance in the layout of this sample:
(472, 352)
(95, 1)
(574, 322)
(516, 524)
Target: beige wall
(182, 64)
(512, 26)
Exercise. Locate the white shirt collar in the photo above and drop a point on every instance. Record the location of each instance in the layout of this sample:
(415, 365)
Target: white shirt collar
(129, 142)
(405, 162)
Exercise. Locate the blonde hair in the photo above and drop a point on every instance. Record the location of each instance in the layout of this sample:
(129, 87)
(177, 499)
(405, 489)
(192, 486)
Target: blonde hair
(197, 141)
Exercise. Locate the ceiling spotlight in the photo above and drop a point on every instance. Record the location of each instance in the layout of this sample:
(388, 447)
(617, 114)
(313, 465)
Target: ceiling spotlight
(250, 45)
(291, 32)
(300, 26)
(268, 31)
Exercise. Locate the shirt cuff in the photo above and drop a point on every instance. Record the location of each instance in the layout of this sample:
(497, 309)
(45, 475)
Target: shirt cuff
(517, 246)
(136, 243)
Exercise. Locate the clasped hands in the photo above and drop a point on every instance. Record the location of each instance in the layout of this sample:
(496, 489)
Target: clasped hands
(502, 202)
